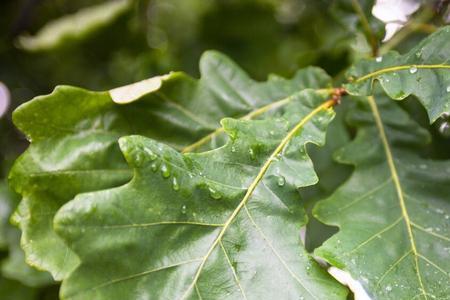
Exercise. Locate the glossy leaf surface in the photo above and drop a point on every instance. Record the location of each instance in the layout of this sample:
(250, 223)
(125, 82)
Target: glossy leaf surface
(424, 72)
(74, 135)
(222, 224)
(393, 212)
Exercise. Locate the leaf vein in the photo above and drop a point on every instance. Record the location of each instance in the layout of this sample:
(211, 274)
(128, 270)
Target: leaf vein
(236, 278)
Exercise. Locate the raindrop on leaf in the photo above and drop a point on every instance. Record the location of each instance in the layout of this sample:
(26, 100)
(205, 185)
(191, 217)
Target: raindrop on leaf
(214, 193)
(151, 154)
(165, 172)
(252, 153)
(175, 184)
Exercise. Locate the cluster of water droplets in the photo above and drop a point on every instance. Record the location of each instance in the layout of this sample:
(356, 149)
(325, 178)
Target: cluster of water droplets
(160, 164)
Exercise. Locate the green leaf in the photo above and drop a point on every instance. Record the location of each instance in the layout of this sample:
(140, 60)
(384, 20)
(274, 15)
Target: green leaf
(424, 72)
(14, 266)
(331, 174)
(75, 26)
(393, 212)
(74, 135)
(222, 224)
(356, 16)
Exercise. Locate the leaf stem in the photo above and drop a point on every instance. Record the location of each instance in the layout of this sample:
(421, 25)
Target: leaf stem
(398, 186)
(366, 26)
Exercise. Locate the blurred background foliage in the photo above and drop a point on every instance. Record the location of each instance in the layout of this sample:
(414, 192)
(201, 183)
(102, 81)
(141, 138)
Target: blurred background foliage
(99, 45)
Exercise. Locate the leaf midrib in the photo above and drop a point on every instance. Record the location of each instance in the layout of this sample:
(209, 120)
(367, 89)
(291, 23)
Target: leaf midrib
(400, 68)
(398, 187)
(252, 188)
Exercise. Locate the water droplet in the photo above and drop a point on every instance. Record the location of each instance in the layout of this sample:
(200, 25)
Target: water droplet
(139, 159)
(175, 184)
(183, 209)
(154, 167)
(379, 59)
(233, 149)
(252, 153)
(444, 129)
(413, 69)
(281, 180)
(388, 288)
(151, 154)
(448, 89)
(214, 193)
(165, 172)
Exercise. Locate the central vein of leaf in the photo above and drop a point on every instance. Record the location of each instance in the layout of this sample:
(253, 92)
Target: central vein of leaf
(400, 68)
(398, 187)
(254, 184)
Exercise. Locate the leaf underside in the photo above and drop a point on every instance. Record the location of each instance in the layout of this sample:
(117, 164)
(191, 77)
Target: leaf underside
(393, 212)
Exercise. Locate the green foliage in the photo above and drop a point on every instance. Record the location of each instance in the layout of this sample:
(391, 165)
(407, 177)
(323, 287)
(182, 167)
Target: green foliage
(174, 187)
(77, 151)
(18, 280)
(226, 211)
(423, 72)
(394, 203)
